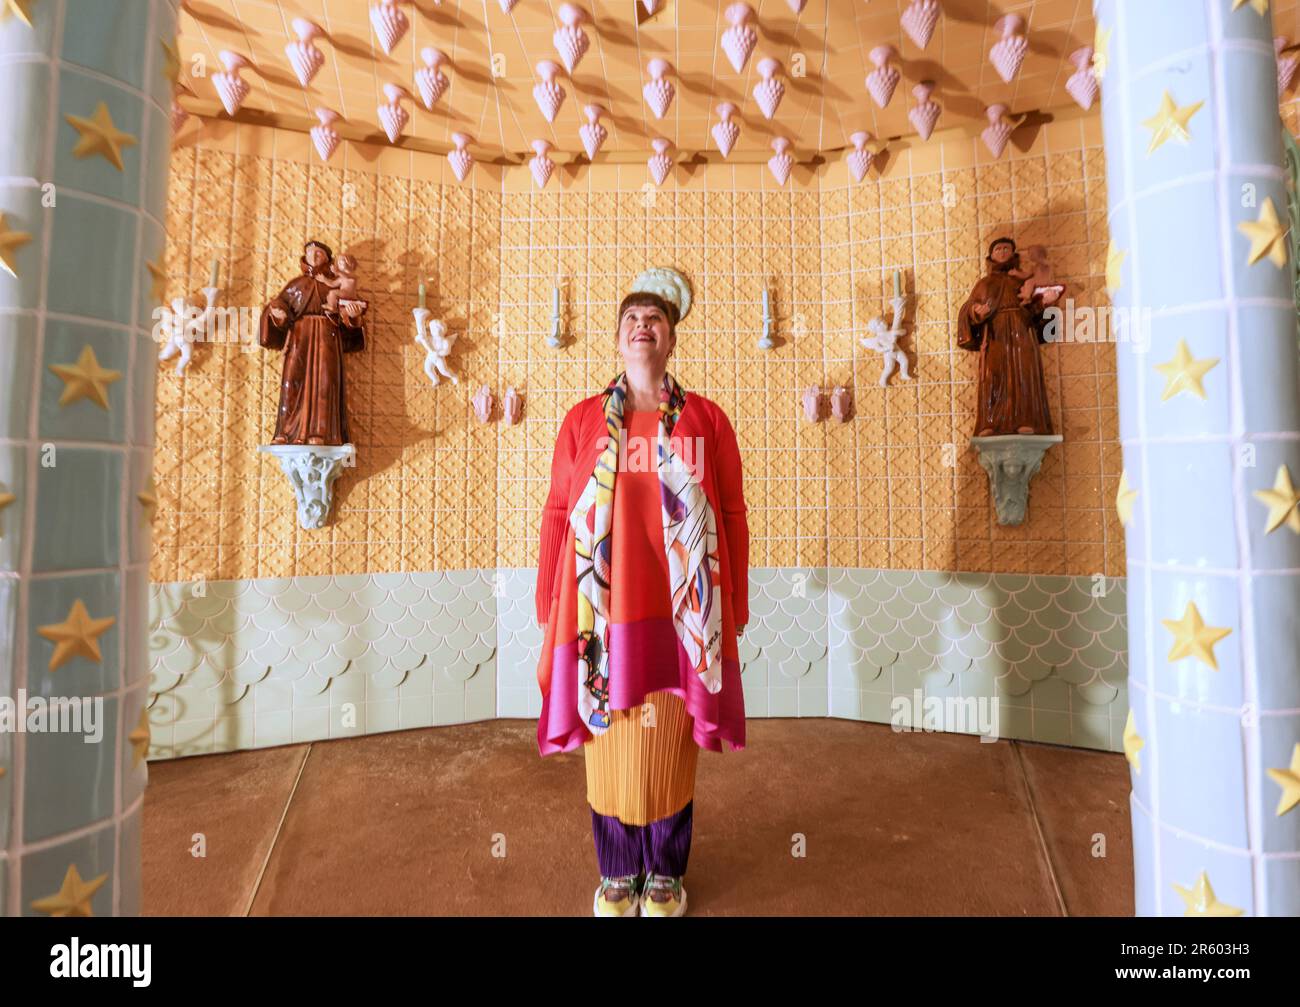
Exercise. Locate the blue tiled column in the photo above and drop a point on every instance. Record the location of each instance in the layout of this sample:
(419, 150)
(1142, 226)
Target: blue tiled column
(84, 147)
(1208, 419)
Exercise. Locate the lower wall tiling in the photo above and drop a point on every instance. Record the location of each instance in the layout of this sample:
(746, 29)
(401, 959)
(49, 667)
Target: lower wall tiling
(255, 663)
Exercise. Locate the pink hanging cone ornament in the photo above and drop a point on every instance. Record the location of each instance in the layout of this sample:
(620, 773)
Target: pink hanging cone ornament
(512, 406)
(540, 165)
(782, 162)
(884, 78)
(482, 403)
(996, 133)
(919, 21)
(797, 5)
(1009, 51)
(392, 116)
(460, 159)
(739, 40)
(1287, 64)
(652, 7)
(814, 403)
(389, 22)
(547, 92)
(592, 132)
(925, 113)
(179, 115)
(841, 403)
(1082, 84)
(660, 164)
(726, 132)
(303, 55)
(570, 40)
(325, 137)
(769, 91)
(860, 158)
(507, 5)
(232, 89)
(659, 92)
(429, 79)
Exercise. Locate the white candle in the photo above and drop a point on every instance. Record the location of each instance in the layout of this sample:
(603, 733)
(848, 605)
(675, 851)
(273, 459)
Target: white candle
(766, 310)
(898, 283)
(555, 302)
(422, 295)
(212, 279)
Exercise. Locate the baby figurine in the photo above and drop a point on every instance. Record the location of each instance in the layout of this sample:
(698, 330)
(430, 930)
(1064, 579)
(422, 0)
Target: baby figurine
(884, 340)
(1036, 273)
(344, 283)
(437, 345)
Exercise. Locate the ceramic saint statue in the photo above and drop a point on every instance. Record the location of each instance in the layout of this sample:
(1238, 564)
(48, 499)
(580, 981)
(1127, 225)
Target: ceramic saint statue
(1006, 330)
(315, 319)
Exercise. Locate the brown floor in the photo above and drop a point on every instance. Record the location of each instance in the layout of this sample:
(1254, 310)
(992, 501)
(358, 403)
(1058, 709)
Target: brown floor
(417, 822)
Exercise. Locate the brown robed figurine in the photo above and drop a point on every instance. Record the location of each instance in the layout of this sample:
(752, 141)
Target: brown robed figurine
(1006, 331)
(314, 337)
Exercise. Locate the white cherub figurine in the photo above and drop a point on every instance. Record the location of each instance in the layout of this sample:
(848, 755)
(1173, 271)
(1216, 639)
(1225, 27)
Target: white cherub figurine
(885, 342)
(183, 326)
(437, 345)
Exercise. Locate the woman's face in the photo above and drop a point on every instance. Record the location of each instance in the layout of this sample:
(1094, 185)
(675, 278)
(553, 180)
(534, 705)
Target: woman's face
(644, 335)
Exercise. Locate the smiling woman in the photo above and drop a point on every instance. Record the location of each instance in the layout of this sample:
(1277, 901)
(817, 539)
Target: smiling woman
(641, 584)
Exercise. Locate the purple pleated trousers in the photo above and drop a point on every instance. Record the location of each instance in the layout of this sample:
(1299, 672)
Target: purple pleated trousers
(662, 847)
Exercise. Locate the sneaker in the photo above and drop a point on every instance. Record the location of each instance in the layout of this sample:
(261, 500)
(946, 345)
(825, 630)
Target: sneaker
(617, 896)
(663, 896)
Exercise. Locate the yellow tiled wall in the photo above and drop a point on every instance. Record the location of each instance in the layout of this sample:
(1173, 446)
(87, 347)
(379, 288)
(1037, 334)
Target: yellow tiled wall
(896, 487)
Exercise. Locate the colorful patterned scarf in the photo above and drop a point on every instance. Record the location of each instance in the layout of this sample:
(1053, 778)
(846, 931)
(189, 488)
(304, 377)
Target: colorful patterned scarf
(690, 541)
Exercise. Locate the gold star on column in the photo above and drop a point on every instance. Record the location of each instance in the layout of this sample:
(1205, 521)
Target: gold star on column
(5, 500)
(157, 282)
(171, 64)
(1184, 372)
(1133, 743)
(1259, 6)
(76, 636)
(148, 500)
(1114, 261)
(73, 899)
(1192, 638)
(85, 379)
(1125, 497)
(9, 241)
(1171, 121)
(1281, 502)
(1201, 900)
(100, 136)
(1267, 236)
(1289, 781)
(1100, 51)
(140, 738)
(21, 9)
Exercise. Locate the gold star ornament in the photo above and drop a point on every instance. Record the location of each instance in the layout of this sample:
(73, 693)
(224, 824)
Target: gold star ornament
(171, 64)
(148, 498)
(21, 9)
(1184, 372)
(10, 241)
(1281, 501)
(1260, 7)
(5, 500)
(1125, 498)
(100, 136)
(1192, 638)
(139, 739)
(1100, 51)
(1267, 236)
(1201, 900)
(1170, 122)
(157, 282)
(1133, 743)
(85, 379)
(1289, 781)
(77, 636)
(73, 899)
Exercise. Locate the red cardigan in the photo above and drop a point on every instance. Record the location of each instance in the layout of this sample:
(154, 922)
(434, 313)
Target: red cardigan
(581, 440)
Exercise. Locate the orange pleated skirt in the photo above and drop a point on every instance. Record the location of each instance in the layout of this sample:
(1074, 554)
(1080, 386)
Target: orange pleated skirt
(642, 768)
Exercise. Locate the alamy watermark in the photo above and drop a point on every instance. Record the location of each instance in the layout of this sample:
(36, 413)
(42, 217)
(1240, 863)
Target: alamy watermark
(58, 715)
(1071, 323)
(950, 714)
